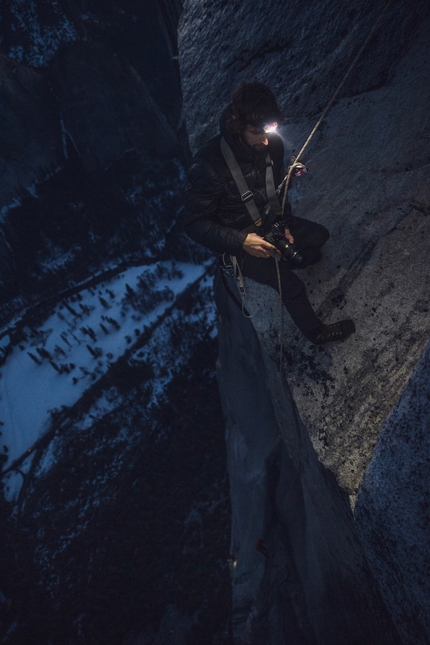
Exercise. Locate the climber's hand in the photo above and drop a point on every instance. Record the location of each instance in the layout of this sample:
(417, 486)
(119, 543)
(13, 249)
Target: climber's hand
(288, 235)
(258, 247)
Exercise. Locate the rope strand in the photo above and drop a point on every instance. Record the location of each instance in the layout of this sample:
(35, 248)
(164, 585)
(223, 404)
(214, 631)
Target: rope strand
(330, 103)
(281, 326)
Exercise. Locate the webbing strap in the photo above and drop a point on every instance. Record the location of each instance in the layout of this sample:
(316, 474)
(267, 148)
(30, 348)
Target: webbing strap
(245, 193)
(248, 200)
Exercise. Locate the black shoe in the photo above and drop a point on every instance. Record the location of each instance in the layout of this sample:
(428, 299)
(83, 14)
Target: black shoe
(330, 333)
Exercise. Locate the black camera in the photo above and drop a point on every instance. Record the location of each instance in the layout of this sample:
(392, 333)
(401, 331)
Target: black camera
(275, 234)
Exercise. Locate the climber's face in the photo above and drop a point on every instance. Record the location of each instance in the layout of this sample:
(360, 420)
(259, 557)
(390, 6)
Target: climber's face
(255, 138)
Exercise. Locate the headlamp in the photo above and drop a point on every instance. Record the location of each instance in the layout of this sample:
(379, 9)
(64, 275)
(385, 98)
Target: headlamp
(264, 127)
(270, 127)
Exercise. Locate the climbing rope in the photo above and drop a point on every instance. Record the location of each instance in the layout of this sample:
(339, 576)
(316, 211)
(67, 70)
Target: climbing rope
(281, 322)
(286, 182)
(240, 283)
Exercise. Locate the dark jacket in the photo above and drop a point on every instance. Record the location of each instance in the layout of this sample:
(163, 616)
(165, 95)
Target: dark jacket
(215, 215)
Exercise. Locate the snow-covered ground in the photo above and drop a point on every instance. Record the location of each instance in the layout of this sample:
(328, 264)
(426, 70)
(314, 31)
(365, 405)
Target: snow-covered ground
(58, 360)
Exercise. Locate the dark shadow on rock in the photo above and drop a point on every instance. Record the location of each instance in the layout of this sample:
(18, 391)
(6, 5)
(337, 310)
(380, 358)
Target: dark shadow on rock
(30, 133)
(93, 143)
(106, 107)
(313, 585)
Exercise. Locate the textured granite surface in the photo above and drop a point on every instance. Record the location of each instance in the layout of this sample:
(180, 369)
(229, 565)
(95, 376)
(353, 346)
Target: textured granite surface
(392, 509)
(368, 182)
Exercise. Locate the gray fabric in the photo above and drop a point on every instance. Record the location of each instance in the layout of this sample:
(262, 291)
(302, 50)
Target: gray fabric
(238, 177)
(243, 187)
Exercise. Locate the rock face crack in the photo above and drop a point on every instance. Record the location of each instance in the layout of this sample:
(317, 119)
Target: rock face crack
(336, 298)
(421, 208)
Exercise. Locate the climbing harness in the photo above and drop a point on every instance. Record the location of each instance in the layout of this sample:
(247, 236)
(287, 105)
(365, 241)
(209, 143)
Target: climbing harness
(232, 268)
(246, 194)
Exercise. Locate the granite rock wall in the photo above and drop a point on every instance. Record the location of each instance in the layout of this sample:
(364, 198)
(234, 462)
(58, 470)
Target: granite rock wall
(368, 182)
(392, 509)
(301, 50)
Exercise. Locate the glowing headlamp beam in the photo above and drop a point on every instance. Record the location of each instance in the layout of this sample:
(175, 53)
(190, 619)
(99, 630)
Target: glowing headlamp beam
(270, 127)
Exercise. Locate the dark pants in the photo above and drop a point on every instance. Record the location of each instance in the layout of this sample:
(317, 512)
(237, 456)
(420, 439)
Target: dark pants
(309, 237)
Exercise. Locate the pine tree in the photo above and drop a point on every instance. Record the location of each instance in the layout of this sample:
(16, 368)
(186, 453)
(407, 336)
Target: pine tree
(36, 360)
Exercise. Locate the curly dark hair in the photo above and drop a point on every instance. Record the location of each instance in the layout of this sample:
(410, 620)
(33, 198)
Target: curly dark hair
(252, 102)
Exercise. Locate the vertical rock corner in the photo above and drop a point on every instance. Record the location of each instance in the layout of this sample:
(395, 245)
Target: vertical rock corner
(303, 448)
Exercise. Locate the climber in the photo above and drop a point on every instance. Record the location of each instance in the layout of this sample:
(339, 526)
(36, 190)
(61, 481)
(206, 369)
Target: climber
(222, 202)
